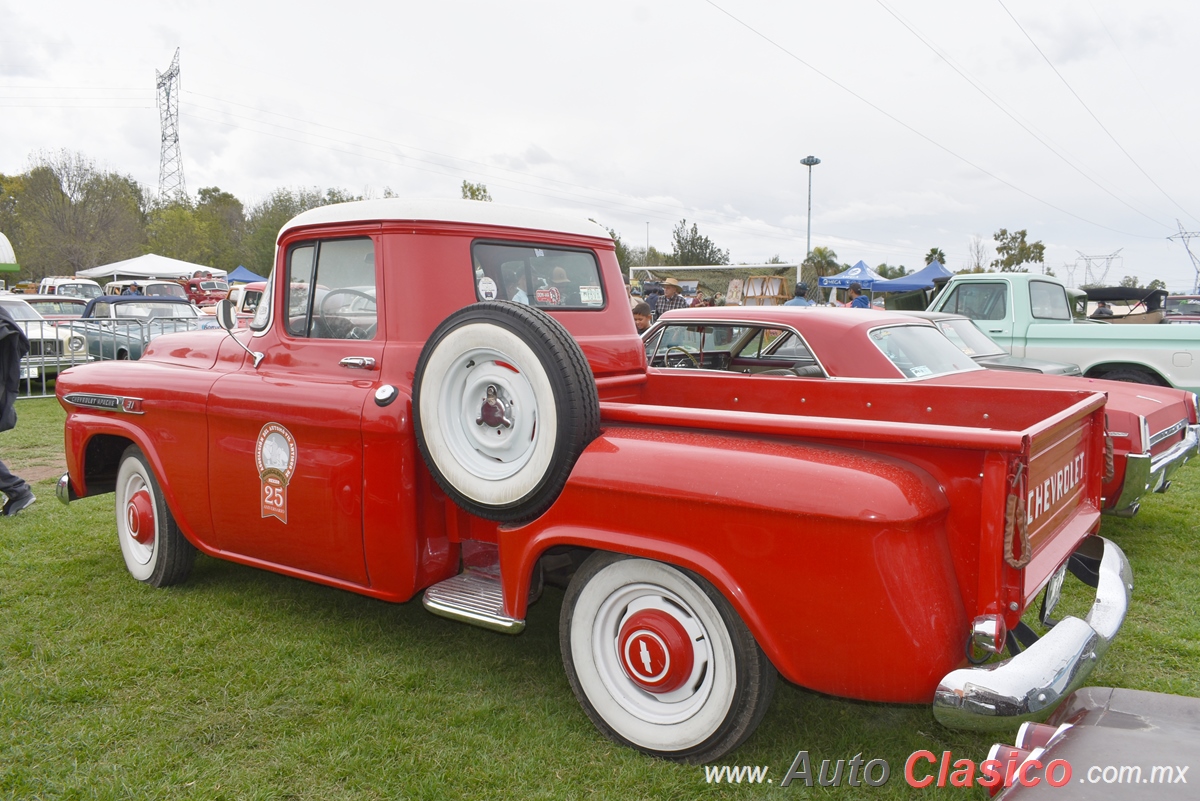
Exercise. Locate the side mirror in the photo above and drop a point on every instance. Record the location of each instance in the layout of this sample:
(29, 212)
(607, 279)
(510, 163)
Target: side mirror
(225, 316)
(227, 320)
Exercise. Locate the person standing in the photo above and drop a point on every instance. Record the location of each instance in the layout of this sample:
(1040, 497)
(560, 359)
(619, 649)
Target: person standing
(857, 299)
(13, 347)
(672, 297)
(800, 299)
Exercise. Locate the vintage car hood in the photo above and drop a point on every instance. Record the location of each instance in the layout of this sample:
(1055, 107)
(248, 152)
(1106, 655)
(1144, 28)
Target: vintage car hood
(197, 349)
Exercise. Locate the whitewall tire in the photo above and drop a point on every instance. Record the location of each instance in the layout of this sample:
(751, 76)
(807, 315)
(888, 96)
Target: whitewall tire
(154, 549)
(659, 659)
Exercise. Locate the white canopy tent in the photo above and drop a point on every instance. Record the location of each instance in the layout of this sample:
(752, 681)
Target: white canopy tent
(149, 266)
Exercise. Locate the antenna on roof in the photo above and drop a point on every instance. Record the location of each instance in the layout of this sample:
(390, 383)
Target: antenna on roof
(170, 163)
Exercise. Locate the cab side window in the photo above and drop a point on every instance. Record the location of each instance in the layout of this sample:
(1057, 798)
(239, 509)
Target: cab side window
(331, 289)
(978, 301)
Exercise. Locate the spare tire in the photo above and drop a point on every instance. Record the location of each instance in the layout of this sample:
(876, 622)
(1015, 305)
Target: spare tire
(503, 404)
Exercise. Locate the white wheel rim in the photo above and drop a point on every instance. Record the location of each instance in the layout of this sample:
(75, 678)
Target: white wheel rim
(139, 557)
(493, 464)
(672, 721)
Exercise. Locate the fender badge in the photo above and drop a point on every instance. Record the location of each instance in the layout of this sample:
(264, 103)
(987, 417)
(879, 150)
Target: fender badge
(275, 457)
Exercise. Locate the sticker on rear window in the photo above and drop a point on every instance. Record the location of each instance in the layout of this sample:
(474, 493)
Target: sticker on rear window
(548, 296)
(591, 296)
(487, 288)
(920, 370)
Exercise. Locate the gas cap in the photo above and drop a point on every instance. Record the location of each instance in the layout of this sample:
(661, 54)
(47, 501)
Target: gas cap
(385, 395)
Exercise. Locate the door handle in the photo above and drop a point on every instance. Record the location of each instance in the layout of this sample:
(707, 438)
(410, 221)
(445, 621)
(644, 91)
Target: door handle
(358, 362)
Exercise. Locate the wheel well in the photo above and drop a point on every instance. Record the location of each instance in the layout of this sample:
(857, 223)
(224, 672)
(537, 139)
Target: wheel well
(1102, 370)
(101, 460)
(559, 563)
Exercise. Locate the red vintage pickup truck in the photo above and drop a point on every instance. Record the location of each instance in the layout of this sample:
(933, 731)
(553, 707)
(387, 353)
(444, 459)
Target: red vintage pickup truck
(450, 398)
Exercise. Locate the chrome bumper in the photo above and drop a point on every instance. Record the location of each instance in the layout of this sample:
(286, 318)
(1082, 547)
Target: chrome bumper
(1144, 473)
(1031, 684)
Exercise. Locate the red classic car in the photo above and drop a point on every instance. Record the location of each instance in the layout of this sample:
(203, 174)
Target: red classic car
(1153, 430)
(450, 398)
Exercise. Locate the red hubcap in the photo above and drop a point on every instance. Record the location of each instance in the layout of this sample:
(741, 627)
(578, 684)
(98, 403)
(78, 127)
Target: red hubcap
(656, 651)
(139, 516)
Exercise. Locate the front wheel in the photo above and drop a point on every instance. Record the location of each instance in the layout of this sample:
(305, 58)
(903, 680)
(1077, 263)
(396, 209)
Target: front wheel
(154, 549)
(1133, 375)
(659, 659)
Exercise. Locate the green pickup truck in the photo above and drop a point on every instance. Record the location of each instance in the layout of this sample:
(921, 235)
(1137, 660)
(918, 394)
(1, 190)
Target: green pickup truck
(1030, 315)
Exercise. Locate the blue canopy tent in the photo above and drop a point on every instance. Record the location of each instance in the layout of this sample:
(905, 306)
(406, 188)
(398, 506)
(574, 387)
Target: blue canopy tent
(243, 276)
(860, 273)
(921, 279)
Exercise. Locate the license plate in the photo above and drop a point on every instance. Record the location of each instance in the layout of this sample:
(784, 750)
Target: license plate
(28, 372)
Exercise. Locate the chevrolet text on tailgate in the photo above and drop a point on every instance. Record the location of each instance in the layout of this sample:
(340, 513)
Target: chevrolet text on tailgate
(451, 398)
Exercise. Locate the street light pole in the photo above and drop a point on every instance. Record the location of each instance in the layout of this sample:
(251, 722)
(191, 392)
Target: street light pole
(810, 162)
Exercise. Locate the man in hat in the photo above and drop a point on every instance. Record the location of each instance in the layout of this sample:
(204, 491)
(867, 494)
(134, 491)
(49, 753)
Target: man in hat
(800, 299)
(568, 294)
(857, 299)
(672, 297)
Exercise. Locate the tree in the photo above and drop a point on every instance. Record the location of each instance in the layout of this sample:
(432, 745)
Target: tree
(1013, 252)
(1134, 282)
(888, 271)
(935, 254)
(977, 254)
(266, 218)
(472, 191)
(689, 247)
(625, 257)
(72, 216)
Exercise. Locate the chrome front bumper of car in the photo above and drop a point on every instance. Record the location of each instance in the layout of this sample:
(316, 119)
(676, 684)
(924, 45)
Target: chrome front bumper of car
(1145, 473)
(1031, 684)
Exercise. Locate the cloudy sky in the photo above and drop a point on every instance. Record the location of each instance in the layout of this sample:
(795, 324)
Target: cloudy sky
(935, 121)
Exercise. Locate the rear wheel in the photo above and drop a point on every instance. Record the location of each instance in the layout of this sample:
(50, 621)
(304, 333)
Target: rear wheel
(154, 549)
(659, 659)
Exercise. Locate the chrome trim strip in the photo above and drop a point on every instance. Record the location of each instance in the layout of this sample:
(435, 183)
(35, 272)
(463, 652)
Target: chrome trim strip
(1167, 432)
(107, 403)
(1031, 684)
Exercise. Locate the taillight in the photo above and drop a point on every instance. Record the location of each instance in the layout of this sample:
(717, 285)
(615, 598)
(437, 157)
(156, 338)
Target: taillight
(1038, 735)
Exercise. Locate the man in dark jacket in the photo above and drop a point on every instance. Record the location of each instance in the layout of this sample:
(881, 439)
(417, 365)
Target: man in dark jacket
(13, 347)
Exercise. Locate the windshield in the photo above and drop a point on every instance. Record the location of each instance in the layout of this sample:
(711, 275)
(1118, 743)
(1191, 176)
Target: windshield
(21, 310)
(1183, 305)
(921, 351)
(214, 286)
(79, 290)
(968, 338)
(166, 290)
(147, 311)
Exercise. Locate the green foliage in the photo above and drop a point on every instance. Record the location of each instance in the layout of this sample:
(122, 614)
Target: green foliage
(624, 256)
(66, 215)
(1135, 282)
(242, 683)
(1013, 252)
(472, 191)
(267, 217)
(888, 271)
(935, 254)
(690, 247)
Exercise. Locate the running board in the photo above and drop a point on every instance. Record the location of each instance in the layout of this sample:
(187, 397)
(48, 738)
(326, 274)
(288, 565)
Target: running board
(472, 597)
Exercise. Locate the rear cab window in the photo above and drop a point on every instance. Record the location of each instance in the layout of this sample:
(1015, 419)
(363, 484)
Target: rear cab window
(551, 278)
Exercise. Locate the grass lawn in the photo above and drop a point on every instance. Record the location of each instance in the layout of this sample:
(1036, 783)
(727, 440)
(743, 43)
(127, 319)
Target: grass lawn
(244, 684)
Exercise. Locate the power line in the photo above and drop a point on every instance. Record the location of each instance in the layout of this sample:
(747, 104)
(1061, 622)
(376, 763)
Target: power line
(913, 130)
(988, 95)
(1091, 113)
